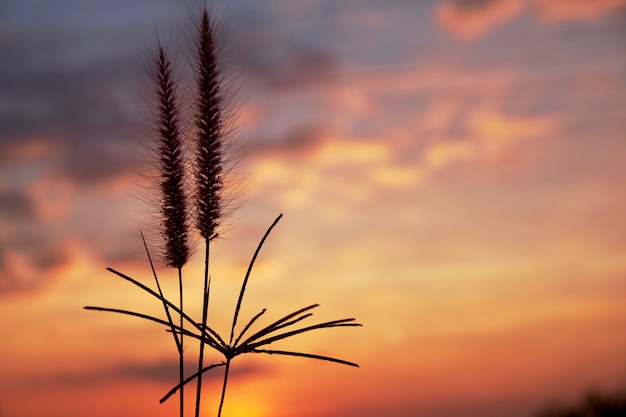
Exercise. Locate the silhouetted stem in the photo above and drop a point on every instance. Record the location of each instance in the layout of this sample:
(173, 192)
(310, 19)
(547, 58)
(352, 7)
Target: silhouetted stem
(305, 355)
(278, 324)
(205, 308)
(247, 326)
(245, 280)
(187, 380)
(181, 361)
(335, 323)
(129, 313)
(215, 340)
(219, 411)
(167, 310)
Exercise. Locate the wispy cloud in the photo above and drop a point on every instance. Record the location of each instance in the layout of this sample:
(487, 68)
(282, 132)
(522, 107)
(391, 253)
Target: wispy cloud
(471, 19)
(164, 372)
(564, 10)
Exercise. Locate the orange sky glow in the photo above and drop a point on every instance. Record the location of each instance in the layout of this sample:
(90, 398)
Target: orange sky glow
(451, 174)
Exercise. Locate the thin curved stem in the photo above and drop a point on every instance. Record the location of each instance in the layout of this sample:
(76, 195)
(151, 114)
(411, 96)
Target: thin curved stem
(247, 326)
(305, 355)
(156, 279)
(245, 280)
(205, 308)
(189, 379)
(215, 338)
(181, 355)
(280, 323)
(219, 411)
(246, 347)
(144, 316)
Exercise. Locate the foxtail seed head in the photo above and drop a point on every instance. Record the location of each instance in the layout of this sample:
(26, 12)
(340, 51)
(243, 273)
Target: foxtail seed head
(208, 120)
(172, 174)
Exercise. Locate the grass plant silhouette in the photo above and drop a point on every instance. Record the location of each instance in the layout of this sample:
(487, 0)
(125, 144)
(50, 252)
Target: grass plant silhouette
(191, 200)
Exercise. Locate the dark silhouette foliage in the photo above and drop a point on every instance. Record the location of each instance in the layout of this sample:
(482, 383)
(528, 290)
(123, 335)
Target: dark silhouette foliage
(594, 404)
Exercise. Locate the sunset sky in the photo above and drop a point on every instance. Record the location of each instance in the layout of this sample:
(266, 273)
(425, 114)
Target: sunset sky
(452, 174)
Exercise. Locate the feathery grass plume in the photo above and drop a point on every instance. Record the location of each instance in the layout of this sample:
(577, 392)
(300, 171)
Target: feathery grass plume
(174, 201)
(208, 119)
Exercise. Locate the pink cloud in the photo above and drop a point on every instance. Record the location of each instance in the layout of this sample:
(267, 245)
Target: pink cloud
(470, 19)
(555, 11)
(29, 150)
(496, 133)
(52, 197)
(489, 136)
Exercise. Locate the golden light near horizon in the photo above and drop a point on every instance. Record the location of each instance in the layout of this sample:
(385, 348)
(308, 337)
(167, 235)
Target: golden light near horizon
(245, 407)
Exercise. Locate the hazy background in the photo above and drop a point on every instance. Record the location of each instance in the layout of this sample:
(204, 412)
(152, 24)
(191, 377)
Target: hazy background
(452, 173)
